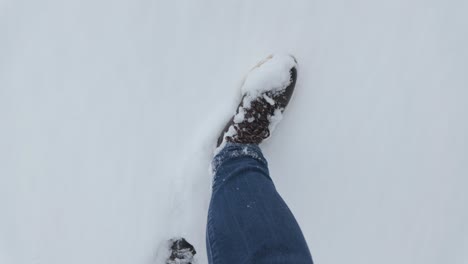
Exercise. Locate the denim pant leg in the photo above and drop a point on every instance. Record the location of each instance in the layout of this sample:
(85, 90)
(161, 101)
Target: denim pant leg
(248, 221)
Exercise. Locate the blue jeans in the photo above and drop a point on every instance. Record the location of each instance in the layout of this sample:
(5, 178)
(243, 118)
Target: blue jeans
(248, 221)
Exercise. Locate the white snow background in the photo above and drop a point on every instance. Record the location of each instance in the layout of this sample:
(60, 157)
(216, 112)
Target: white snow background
(109, 110)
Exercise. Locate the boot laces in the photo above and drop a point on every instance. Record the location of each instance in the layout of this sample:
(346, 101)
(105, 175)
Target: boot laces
(257, 129)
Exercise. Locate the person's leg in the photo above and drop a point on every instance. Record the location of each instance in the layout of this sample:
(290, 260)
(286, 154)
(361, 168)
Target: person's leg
(248, 221)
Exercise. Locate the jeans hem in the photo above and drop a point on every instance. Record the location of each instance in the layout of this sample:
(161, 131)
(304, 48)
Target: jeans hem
(237, 150)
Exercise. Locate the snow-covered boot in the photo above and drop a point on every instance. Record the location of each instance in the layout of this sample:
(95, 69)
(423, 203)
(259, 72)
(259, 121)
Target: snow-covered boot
(182, 252)
(266, 92)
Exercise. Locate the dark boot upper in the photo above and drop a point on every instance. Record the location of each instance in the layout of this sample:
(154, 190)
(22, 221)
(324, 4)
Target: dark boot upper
(256, 116)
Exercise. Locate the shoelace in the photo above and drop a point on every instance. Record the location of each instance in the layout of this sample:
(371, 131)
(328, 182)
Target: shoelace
(256, 131)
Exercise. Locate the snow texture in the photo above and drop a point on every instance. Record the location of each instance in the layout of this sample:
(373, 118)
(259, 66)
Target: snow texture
(110, 110)
(270, 75)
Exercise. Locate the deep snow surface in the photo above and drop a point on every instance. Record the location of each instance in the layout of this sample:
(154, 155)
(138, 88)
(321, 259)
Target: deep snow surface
(109, 111)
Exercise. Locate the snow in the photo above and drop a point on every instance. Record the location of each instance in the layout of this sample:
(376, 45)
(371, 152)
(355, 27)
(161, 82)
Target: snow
(110, 111)
(275, 119)
(269, 100)
(239, 116)
(271, 74)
